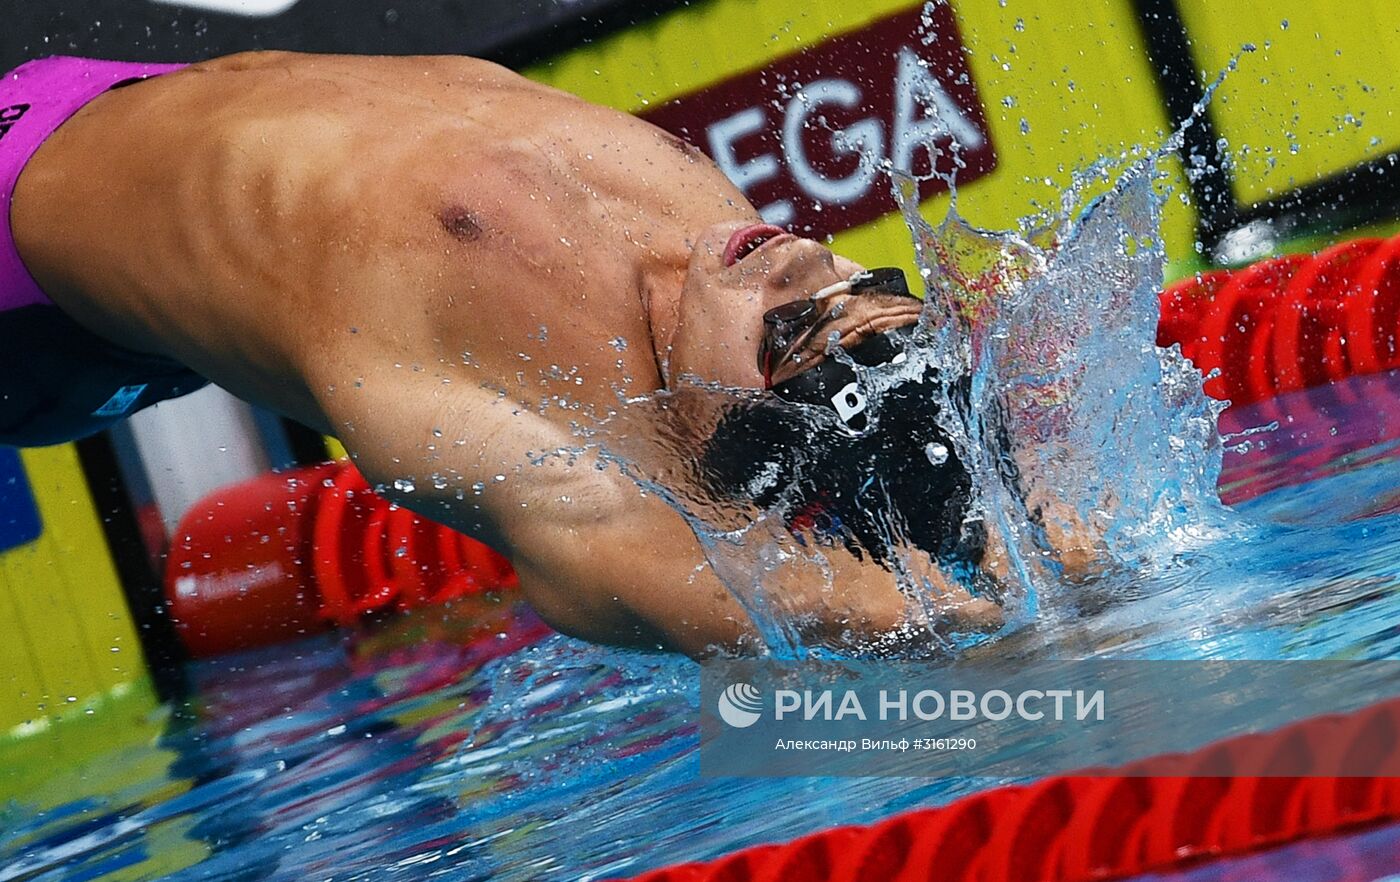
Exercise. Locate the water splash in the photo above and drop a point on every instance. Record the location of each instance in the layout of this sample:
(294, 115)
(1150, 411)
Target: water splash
(1114, 437)
(1075, 426)
(1094, 455)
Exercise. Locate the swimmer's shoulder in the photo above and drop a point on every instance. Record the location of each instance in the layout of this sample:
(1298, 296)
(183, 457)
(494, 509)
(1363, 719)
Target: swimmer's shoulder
(429, 70)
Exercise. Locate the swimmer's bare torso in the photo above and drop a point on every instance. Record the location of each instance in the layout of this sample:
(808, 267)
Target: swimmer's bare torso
(418, 256)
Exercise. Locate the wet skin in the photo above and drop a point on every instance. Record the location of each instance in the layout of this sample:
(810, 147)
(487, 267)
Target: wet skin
(427, 257)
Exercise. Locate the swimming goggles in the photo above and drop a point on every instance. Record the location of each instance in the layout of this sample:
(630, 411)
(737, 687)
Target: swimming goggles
(788, 327)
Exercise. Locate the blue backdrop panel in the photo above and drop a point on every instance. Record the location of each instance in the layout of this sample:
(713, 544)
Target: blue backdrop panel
(19, 518)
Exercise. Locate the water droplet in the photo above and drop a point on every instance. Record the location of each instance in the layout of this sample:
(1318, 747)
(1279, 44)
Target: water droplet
(404, 485)
(936, 453)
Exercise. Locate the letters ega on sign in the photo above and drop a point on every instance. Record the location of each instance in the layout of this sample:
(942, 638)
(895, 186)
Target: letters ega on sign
(19, 518)
(806, 136)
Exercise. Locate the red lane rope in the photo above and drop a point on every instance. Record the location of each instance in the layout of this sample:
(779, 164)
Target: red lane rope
(288, 554)
(1152, 815)
(1291, 322)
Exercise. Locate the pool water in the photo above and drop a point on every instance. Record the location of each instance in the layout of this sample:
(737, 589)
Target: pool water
(477, 745)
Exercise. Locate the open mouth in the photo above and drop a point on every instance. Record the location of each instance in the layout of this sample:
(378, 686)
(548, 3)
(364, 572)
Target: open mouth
(748, 240)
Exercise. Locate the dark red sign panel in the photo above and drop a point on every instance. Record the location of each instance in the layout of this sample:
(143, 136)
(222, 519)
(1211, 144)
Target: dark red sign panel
(806, 138)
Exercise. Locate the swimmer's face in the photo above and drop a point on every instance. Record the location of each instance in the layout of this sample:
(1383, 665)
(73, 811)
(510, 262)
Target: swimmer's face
(737, 273)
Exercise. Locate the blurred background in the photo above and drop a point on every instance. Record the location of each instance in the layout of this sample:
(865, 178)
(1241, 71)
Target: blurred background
(1297, 150)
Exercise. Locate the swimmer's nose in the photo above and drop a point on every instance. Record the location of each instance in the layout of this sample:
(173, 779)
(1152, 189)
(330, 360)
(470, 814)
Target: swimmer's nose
(746, 240)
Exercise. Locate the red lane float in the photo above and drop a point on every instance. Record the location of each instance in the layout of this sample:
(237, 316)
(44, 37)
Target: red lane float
(1289, 323)
(1153, 815)
(291, 554)
(1310, 335)
(1235, 330)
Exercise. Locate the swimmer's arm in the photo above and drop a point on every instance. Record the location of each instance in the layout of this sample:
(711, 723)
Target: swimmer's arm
(634, 575)
(596, 558)
(641, 565)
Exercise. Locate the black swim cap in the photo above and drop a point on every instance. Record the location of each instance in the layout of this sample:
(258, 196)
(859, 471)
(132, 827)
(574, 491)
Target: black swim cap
(899, 481)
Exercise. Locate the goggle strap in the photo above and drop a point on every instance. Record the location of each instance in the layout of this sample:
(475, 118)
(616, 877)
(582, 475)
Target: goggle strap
(842, 287)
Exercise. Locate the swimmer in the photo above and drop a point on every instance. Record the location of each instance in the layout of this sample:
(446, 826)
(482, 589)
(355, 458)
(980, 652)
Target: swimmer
(423, 257)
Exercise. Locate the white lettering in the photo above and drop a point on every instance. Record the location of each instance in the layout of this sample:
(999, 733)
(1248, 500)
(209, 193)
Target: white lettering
(1021, 705)
(962, 705)
(723, 135)
(916, 87)
(850, 706)
(847, 746)
(785, 701)
(887, 705)
(849, 402)
(998, 695)
(865, 139)
(1086, 707)
(921, 697)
